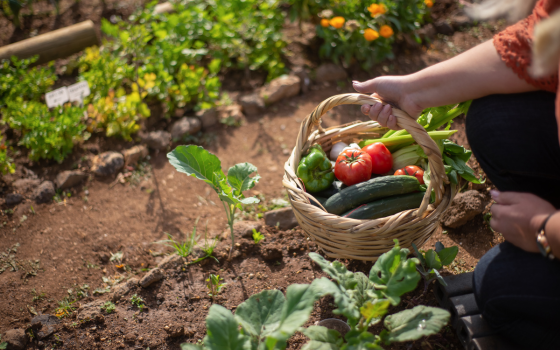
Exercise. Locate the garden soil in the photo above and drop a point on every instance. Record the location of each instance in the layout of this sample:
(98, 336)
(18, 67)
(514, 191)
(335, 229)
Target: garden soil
(65, 247)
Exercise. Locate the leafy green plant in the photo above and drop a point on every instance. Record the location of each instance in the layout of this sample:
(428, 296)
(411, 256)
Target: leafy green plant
(268, 319)
(65, 308)
(185, 248)
(6, 162)
(108, 307)
(433, 260)
(17, 79)
(258, 237)
(137, 301)
(214, 285)
(3, 344)
(207, 248)
(198, 162)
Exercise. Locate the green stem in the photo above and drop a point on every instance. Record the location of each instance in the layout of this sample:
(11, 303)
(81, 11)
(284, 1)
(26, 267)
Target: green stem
(396, 140)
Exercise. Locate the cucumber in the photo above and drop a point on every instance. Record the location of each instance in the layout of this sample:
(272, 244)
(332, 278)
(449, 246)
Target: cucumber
(386, 206)
(365, 192)
(336, 187)
(321, 200)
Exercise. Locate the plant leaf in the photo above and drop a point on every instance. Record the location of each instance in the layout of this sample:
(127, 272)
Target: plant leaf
(260, 314)
(440, 278)
(322, 338)
(361, 341)
(414, 323)
(432, 260)
(447, 255)
(419, 255)
(238, 177)
(222, 331)
(336, 271)
(198, 162)
(373, 312)
(189, 346)
(439, 247)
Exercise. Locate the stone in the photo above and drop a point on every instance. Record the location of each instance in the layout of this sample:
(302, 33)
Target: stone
(123, 288)
(129, 337)
(107, 163)
(245, 228)
(91, 312)
(231, 115)
(330, 72)
(465, 206)
(170, 262)
(135, 154)
(151, 277)
(25, 185)
(252, 104)
(280, 88)
(69, 178)
(443, 27)
(175, 330)
(158, 140)
(44, 193)
(304, 79)
(44, 325)
(460, 21)
(184, 127)
(271, 252)
(13, 198)
(284, 218)
(208, 117)
(16, 339)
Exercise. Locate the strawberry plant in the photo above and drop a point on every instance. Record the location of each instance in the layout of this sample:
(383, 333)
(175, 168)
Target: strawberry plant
(197, 162)
(268, 319)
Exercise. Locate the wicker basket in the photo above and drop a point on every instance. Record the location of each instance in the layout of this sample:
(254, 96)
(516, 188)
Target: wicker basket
(341, 237)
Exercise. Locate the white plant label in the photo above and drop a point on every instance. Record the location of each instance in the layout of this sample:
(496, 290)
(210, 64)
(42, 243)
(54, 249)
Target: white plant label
(78, 91)
(57, 97)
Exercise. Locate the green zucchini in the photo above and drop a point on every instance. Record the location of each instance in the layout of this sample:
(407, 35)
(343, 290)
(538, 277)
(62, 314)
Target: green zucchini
(386, 206)
(336, 187)
(321, 200)
(365, 192)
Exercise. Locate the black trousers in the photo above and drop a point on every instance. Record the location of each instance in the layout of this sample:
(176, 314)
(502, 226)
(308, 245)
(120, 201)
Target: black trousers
(515, 140)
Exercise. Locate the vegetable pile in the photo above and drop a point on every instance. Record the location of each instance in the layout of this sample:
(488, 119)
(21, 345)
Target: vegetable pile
(381, 177)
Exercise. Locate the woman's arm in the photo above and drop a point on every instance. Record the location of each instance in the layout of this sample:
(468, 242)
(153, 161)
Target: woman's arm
(475, 73)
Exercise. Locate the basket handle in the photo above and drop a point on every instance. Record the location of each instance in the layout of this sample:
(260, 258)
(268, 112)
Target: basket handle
(438, 177)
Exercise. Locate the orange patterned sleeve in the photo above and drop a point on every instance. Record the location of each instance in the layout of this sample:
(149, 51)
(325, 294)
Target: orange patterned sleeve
(514, 45)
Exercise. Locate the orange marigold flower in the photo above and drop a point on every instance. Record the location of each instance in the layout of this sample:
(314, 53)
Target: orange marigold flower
(324, 23)
(337, 22)
(119, 266)
(429, 3)
(370, 34)
(377, 9)
(386, 31)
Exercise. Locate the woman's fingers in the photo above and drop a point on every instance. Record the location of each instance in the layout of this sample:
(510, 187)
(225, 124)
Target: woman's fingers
(384, 114)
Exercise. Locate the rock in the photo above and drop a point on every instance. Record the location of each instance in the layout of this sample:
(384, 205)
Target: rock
(460, 21)
(170, 262)
(208, 117)
(158, 140)
(271, 252)
(26, 185)
(465, 206)
(245, 228)
(252, 104)
(129, 337)
(280, 88)
(44, 325)
(427, 32)
(91, 312)
(329, 72)
(151, 277)
(304, 79)
(13, 198)
(16, 339)
(44, 193)
(134, 154)
(185, 126)
(69, 178)
(121, 289)
(231, 115)
(443, 27)
(284, 218)
(175, 330)
(107, 163)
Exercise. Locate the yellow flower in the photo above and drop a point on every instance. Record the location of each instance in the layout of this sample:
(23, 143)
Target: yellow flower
(324, 23)
(370, 34)
(386, 31)
(377, 9)
(337, 22)
(429, 3)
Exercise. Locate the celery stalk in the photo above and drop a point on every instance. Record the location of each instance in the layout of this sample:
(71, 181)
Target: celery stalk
(398, 140)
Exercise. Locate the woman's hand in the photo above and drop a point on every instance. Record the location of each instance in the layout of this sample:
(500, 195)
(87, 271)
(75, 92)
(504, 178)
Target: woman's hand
(518, 216)
(390, 89)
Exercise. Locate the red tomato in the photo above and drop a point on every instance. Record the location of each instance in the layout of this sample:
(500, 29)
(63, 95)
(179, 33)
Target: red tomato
(412, 170)
(381, 158)
(353, 166)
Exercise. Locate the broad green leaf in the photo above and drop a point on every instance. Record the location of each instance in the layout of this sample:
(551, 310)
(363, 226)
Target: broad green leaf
(319, 345)
(439, 247)
(419, 255)
(439, 278)
(361, 341)
(322, 338)
(415, 323)
(238, 177)
(336, 271)
(360, 293)
(189, 346)
(198, 162)
(394, 275)
(432, 260)
(447, 255)
(222, 331)
(260, 314)
(346, 305)
(373, 312)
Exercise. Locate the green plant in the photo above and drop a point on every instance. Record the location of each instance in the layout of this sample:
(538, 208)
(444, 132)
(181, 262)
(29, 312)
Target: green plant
(3, 345)
(258, 237)
(207, 248)
(117, 257)
(65, 308)
(198, 162)
(108, 307)
(38, 296)
(185, 248)
(433, 260)
(6, 162)
(214, 285)
(137, 301)
(268, 319)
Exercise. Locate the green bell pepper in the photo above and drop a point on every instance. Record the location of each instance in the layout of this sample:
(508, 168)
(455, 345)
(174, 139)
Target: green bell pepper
(315, 170)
